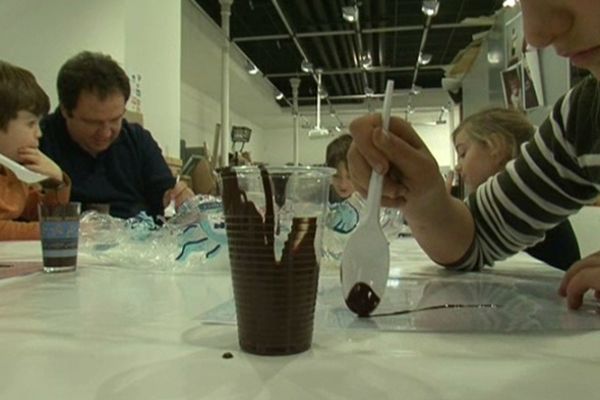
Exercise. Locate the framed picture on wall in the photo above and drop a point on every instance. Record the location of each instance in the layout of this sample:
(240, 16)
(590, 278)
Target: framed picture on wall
(512, 85)
(514, 40)
(533, 95)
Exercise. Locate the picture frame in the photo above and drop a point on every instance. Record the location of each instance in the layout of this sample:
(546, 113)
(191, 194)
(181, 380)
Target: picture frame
(512, 86)
(533, 94)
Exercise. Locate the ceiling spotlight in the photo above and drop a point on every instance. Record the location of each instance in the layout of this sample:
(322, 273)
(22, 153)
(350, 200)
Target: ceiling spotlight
(251, 68)
(509, 3)
(425, 58)
(306, 66)
(369, 92)
(410, 109)
(324, 94)
(350, 13)
(494, 57)
(338, 128)
(366, 60)
(279, 95)
(430, 7)
(415, 89)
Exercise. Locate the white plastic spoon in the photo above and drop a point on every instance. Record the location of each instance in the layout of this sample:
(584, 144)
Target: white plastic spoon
(366, 258)
(21, 172)
(170, 209)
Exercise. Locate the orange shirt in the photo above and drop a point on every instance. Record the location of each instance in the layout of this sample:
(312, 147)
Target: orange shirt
(19, 201)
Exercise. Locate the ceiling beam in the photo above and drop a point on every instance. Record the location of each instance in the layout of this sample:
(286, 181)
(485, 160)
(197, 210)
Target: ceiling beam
(343, 71)
(407, 28)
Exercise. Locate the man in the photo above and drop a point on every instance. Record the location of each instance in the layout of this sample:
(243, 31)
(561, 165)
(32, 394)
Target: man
(109, 160)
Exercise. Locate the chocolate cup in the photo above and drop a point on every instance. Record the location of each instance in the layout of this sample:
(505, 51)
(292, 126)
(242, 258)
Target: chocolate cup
(274, 298)
(275, 301)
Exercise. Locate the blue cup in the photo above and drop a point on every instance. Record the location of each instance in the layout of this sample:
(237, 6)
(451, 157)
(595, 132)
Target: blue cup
(59, 228)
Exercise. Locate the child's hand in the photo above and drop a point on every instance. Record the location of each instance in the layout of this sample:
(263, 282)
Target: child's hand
(421, 181)
(37, 161)
(584, 275)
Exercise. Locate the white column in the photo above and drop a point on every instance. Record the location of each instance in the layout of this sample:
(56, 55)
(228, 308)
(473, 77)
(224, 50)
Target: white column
(225, 130)
(452, 125)
(295, 82)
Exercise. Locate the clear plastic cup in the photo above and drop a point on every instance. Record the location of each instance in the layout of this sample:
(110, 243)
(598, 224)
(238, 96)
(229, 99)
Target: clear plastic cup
(274, 220)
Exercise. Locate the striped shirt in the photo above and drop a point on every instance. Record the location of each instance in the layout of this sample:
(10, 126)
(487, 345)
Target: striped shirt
(557, 173)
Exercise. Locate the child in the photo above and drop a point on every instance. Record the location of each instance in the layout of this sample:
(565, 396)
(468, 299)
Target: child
(335, 157)
(485, 142)
(555, 175)
(22, 103)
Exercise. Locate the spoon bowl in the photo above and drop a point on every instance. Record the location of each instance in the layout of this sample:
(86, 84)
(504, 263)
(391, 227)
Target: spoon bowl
(366, 258)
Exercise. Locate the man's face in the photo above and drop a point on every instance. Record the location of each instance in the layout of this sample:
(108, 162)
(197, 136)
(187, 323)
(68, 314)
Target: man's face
(95, 123)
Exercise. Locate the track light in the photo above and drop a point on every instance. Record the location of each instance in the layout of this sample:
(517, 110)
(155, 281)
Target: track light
(509, 3)
(350, 13)
(279, 95)
(338, 128)
(251, 68)
(306, 66)
(430, 7)
(366, 60)
(425, 58)
(415, 89)
(369, 92)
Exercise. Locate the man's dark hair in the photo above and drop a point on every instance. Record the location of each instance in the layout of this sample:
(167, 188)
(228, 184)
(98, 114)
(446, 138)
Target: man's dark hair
(337, 150)
(19, 91)
(90, 72)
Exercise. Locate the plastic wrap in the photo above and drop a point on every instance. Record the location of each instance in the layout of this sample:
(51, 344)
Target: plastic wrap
(193, 239)
(342, 219)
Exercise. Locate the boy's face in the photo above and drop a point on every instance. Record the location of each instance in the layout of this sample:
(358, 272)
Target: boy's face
(341, 181)
(21, 132)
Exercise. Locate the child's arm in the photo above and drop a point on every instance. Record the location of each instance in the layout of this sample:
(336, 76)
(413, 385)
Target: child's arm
(13, 197)
(14, 230)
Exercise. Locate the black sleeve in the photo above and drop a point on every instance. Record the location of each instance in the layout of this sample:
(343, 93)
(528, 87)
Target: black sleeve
(559, 249)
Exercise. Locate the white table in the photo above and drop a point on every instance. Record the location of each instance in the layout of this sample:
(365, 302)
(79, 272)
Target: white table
(115, 333)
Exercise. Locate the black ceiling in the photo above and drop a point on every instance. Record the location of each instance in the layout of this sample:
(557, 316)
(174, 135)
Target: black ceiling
(331, 43)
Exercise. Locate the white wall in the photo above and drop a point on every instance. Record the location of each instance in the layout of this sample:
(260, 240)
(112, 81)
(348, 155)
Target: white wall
(251, 97)
(143, 35)
(201, 112)
(41, 35)
(153, 50)
(278, 147)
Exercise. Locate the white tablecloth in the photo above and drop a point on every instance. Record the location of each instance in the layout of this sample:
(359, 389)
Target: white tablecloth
(117, 333)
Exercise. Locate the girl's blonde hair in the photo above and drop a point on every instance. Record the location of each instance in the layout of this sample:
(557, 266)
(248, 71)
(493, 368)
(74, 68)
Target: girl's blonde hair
(497, 127)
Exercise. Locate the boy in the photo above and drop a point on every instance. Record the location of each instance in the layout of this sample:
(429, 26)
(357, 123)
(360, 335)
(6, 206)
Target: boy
(22, 103)
(335, 157)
